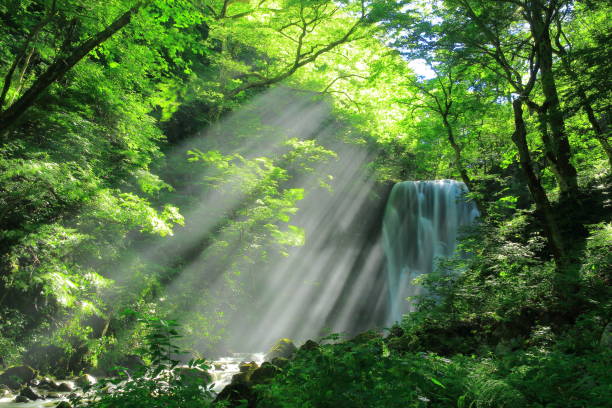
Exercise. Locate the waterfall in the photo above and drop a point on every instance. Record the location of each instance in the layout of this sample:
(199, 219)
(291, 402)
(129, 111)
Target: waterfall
(420, 225)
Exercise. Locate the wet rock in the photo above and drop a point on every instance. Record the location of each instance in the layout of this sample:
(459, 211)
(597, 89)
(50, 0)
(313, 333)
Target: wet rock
(244, 367)
(63, 404)
(283, 348)
(53, 395)
(21, 398)
(85, 381)
(30, 394)
(309, 345)
(4, 391)
(65, 387)
(264, 374)
(48, 384)
(17, 376)
(244, 376)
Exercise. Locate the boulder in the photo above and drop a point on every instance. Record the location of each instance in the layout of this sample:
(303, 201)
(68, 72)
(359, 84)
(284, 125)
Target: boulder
(17, 376)
(63, 404)
(65, 387)
(244, 376)
(264, 374)
(48, 384)
(21, 398)
(283, 348)
(245, 367)
(30, 394)
(85, 381)
(53, 395)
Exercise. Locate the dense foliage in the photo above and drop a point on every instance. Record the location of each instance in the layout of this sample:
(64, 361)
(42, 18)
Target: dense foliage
(154, 155)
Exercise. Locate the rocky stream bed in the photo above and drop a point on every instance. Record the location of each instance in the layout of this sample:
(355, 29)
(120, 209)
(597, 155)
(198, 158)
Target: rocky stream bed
(232, 376)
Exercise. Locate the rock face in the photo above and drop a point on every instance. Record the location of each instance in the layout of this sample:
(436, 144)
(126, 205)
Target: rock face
(17, 376)
(283, 348)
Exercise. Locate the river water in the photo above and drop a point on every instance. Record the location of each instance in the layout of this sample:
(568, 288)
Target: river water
(222, 371)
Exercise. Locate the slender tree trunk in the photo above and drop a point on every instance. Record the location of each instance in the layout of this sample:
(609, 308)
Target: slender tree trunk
(549, 151)
(552, 230)
(22, 53)
(22, 73)
(59, 68)
(559, 143)
(459, 162)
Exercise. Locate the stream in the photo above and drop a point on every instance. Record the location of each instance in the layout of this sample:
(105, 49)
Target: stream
(222, 371)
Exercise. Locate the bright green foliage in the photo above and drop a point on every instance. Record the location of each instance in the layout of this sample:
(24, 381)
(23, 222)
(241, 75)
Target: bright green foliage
(159, 384)
(164, 170)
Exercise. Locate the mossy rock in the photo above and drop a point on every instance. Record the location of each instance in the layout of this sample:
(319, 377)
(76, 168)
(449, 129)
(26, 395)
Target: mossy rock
(244, 376)
(17, 376)
(264, 374)
(280, 362)
(283, 348)
(309, 346)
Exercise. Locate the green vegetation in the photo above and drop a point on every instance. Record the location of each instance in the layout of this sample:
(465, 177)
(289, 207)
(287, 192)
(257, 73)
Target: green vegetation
(156, 156)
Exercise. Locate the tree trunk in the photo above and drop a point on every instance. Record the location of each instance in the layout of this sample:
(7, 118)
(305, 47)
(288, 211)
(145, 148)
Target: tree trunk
(559, 142)
(459, 163)
(552, 231)
(59, 68)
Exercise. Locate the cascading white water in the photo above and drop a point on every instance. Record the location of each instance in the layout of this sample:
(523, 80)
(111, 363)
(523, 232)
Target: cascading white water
(421, 223)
